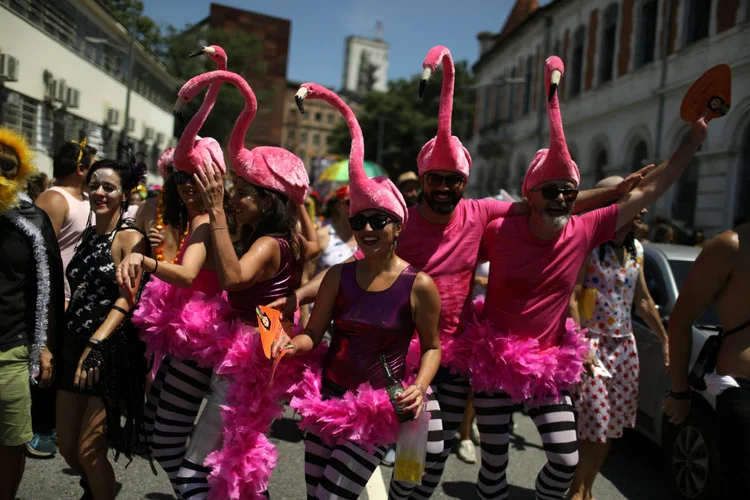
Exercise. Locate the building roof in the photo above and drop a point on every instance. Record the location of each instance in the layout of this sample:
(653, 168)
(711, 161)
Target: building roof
(523, 13)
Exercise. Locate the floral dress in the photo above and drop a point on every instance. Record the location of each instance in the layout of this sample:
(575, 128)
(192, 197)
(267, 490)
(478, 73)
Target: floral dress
(607, 405)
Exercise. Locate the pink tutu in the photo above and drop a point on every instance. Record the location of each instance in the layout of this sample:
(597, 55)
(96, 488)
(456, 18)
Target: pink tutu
(500, 361)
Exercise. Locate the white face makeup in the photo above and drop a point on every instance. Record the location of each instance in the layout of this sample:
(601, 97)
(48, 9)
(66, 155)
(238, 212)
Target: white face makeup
(107, 179)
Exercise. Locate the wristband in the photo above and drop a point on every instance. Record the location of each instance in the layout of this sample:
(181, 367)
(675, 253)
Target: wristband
(156, 266)
(680, 396)
(218, 228)
(120, 309)
(424, 393)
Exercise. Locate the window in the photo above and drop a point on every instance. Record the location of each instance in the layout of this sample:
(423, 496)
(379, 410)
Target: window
(20, 114)
(293, 111)
(498, 104)
(609, 34)
(528, 85)
(511, 96)
(318, 117)
(291, 135)
(330, 118)
(601, 162)
(697, 20)
(640, 153)
(556, 50)
(484, 105)
(646, 41)
(577, 61)
(303, 137)
(306, 116)
(316, 140)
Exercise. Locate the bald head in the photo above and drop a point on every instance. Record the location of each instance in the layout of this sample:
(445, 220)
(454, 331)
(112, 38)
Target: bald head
(609, 182)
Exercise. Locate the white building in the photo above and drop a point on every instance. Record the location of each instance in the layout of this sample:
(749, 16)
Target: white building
(64, 68)
(614, 82)
(365, 65)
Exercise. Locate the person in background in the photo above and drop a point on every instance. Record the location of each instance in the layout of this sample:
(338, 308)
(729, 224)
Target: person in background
(608, 398)
(699, 238)
(37, 185)
(31, 306)
(665, 234)
(641, 232)
(336, 239)
(67, 205)
(408, 184)
(720, 277)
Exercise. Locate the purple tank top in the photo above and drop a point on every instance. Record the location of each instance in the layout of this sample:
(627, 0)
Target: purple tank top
(206, 281)
(281, 284)
(367, 325)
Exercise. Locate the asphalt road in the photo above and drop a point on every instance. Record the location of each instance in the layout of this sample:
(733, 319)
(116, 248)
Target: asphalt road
(634, 471)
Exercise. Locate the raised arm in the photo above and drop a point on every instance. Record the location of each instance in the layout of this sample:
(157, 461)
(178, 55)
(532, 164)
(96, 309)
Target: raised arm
(308, 234)
(656, 184)
(703, 285)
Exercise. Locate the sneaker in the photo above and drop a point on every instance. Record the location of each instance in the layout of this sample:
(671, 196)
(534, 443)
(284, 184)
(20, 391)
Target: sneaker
(41, 446)
(390, 458)
(53, 436)
(466, 452)
(475, 433)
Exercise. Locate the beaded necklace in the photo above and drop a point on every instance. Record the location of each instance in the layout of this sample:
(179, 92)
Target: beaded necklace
(160, 226)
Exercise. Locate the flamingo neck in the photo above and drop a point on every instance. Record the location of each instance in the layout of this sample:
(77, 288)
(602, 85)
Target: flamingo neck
(558, 149)
(446, 98)
(357, 152)
(187, 139)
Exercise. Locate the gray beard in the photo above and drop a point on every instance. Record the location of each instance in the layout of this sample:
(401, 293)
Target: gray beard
(557, 222)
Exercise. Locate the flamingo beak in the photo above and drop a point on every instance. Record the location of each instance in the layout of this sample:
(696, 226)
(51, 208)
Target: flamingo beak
(177, 110)
(554, 82)
(299, 98)
(426, 74)
(199, 52)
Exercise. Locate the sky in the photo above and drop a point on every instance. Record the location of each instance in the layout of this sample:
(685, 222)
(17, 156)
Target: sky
(320, 28)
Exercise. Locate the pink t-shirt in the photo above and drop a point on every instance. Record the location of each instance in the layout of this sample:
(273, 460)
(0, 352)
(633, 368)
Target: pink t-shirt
(448, 253)
(531, 280)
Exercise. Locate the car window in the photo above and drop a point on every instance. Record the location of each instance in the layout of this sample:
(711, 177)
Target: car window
(655, 283)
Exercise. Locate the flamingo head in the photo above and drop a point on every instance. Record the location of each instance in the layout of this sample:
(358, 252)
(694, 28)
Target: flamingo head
(307, 90)
(214, 52)
(187, 93)
(553, 72)
(431, 64)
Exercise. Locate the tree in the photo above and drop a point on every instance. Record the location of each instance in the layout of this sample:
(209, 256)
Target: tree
(409, 121)
(130, 14)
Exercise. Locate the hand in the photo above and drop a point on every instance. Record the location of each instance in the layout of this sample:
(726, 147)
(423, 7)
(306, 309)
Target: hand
(665, 352)
(47, 367)
(210, 183)
(588, 363)
(699, 130)
(129, 269)
(287, 305)
(283, 343)
(676, 409)
(631, 182)
(83, 378)
(412, 397)
(156, 237)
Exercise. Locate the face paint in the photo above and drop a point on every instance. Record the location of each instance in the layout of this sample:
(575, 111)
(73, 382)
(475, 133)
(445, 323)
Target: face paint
(107, 179)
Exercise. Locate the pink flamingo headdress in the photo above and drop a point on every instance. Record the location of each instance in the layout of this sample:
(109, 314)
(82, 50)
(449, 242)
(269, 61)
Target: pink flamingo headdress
(378, 193)
(268, 167)
(192, 151)
(444, 151)
(166, 159)
(554, 163)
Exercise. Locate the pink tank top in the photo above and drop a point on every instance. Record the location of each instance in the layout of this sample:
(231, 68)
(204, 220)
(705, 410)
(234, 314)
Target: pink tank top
(73, 226)
(206, 281)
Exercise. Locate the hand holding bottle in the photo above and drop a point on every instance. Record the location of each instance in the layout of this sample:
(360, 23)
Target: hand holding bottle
(412, 399)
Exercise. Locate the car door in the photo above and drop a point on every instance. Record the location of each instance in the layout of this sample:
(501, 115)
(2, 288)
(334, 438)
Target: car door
(652, 370)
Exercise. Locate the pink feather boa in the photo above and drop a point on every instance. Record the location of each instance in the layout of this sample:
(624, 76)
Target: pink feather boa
(365, 417)
(500, 361)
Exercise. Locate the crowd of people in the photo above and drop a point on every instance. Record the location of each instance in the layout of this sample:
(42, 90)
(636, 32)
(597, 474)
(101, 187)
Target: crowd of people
(120, 314)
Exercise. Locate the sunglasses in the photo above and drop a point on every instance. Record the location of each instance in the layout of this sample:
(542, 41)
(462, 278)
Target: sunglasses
(181, 177)
(550, 193)
(450, 181)
(376, 221)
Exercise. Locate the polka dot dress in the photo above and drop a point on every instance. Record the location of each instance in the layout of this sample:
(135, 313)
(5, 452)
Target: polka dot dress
(606, 406)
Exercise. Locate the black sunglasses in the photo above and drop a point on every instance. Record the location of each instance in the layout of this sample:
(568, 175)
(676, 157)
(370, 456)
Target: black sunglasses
(376, 221)
(550, 193)
(437, 180)
(181, 177)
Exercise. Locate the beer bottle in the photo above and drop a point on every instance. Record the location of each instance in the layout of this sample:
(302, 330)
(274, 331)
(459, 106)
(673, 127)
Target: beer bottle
(394, 387)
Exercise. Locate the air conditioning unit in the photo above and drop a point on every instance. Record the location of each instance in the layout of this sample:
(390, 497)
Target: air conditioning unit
(8, 68)
(62, 91)
(149, 135)
(14, 99)
(113, 116)
(131, 124)
(73, 98)
(51, 91)
(159, 139)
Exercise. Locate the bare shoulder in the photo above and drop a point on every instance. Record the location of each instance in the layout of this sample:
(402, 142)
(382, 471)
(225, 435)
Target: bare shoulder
(51, 199)
(424, 284)
(727, 243)
(128, 238)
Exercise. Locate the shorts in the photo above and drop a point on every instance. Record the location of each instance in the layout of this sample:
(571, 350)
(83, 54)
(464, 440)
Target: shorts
(15, 397)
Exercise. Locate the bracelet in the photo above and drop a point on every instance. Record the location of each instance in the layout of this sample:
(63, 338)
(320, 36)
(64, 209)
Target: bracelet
(424, 393)
(680, 396)
(92, 342)
(120, 309)
(218, 228)
(156, 266)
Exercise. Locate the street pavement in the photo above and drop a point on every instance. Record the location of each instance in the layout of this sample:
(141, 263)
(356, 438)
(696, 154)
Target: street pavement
(634, 471)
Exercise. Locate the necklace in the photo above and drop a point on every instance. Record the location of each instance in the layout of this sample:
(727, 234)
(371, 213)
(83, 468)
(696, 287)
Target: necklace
(160, 226)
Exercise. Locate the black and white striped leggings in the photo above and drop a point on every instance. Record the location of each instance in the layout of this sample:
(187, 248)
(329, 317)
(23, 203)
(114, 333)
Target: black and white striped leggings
(172, 406)
(555, 422)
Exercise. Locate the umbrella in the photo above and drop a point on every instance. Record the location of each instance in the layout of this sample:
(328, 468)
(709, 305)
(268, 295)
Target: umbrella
(339, 171)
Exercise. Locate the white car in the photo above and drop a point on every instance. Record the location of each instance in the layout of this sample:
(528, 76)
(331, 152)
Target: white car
(693, 465)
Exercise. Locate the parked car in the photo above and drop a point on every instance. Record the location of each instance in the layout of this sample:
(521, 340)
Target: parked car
(690, 447)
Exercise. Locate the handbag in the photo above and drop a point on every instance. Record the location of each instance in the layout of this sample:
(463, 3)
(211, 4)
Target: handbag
(706, 362)
(587, 303)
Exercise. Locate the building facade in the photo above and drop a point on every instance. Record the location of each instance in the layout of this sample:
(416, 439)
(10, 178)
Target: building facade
(620, 97)
(63, 68)
(274, 33)
(365, 65)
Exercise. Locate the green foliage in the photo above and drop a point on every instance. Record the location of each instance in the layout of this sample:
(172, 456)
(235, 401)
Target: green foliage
(409, 122)
(130, 14)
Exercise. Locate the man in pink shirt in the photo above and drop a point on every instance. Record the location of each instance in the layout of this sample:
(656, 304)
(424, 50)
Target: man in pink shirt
(524, 349)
